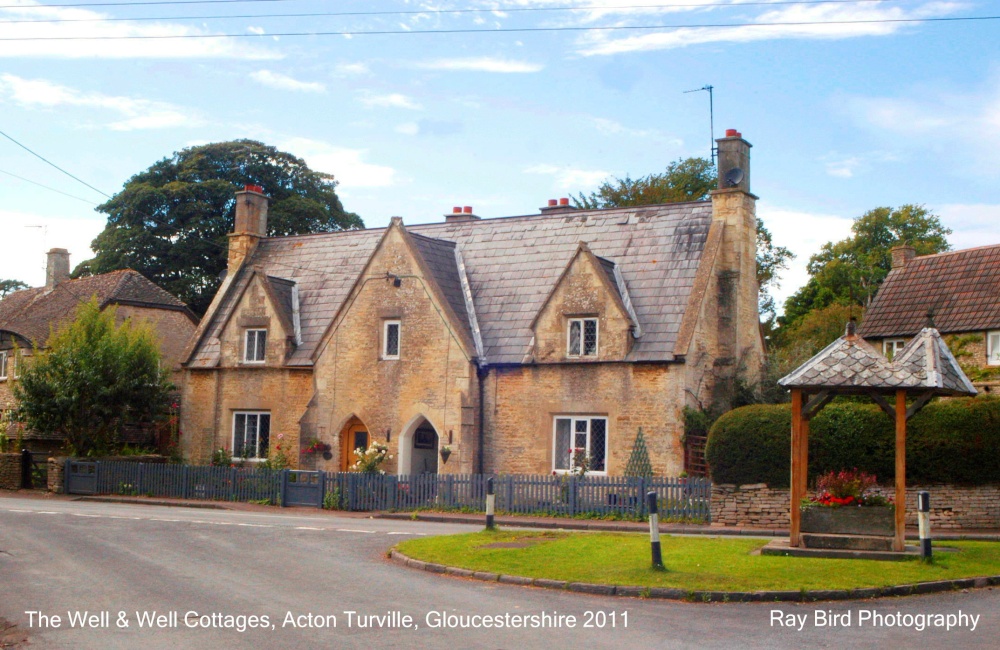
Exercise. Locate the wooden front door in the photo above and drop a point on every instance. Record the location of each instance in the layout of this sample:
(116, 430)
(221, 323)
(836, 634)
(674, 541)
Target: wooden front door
(354, 436)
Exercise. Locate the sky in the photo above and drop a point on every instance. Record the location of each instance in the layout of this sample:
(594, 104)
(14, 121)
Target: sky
(502, 105)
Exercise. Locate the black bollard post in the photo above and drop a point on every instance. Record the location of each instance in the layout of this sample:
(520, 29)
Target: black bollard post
(491, 499)
(924, 521)
(26, 469)
(654, 530)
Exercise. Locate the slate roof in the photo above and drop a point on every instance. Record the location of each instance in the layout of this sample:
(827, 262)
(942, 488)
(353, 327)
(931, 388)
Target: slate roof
(33, 313)
(960, 288)
(850, 364)
(511, 263)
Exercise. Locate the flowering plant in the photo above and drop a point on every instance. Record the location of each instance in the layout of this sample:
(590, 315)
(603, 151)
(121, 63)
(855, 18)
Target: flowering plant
(369, 460)
(847, 488)
(581, 462)
(316, 446)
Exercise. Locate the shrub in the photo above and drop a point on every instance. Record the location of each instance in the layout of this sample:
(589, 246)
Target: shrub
(949, 441)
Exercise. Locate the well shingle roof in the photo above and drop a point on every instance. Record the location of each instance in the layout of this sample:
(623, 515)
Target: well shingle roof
(34, 313)
(511, 263)
(961, 289)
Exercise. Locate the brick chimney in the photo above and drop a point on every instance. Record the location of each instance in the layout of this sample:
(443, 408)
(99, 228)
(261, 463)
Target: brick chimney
(251, 224)
(56, 268)
(556, 206)
(901, 255)
(460, 213)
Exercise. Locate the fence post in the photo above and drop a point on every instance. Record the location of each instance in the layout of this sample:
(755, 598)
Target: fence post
(322, 489)
(138, 479)
(66, 467)
(654, 529)
(572, 495)
(282, 495)
(184, 481)
(509, 480)
(26, 469)
(232, 484)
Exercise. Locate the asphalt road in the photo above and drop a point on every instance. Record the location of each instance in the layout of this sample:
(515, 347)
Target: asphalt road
(62, 557)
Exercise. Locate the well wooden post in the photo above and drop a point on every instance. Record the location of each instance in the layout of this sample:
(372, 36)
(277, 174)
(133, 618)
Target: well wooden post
(899, 543)
(796, 482)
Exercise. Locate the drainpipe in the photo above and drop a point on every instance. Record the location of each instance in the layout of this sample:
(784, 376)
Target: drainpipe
(481, 374)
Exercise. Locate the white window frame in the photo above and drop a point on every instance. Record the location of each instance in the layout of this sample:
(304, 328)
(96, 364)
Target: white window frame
(993, 351)
(3, 365)
(257, 414)
(573, 419)
(893, 345)
(583, 328)
(385, 339)
(254, 332)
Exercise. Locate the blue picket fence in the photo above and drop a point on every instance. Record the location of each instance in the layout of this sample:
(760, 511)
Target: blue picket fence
(678, 498)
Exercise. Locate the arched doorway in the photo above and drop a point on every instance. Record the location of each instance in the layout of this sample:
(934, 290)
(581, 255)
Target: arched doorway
(353, 436)
(418, 448)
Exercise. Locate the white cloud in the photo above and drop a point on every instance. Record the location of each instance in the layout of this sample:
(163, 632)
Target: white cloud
(832, 21)
(347, 165)
(972, 224)
(284, 82)
(569, 178)
(803, 233)
(390, 100)
(408, 128)
(351, 69)
(135, 113)
(128, 40)
(259, 31)
(481, 64)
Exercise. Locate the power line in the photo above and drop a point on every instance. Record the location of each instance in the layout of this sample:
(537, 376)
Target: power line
(803, 23)
(137, 4)
(49, 162)
(51, 189)
(440, 11)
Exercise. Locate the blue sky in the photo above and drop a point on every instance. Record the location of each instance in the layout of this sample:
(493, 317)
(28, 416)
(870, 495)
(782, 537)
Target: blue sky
(843, 116)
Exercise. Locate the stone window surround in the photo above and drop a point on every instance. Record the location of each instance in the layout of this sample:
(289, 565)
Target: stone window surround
(260, 351)
(993, 348)
(891, 346)
(581, 351)
(573, 418)
(3, 365)
(386, 324)
(258, 415)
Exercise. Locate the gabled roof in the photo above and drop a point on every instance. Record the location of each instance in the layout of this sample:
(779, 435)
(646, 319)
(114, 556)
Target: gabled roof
(961, 289)
(511, 264)
(34, 313)
(850, 364)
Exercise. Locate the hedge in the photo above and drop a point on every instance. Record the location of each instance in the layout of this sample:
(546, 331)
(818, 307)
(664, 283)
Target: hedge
(950, 441)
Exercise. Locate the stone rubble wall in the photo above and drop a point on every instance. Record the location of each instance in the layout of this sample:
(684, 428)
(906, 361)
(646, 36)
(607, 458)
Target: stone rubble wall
(10, 471)
(953, 507)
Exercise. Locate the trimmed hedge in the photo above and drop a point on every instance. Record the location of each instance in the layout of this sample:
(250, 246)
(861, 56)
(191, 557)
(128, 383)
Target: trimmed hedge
(950, 441)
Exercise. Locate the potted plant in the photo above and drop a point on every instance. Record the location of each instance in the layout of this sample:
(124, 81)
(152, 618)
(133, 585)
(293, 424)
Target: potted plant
(445, 453)
(845, 504)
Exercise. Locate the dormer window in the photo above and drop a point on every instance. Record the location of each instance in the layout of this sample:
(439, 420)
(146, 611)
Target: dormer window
(582, 337)
(390, 339)
(255, 346)
(891, 346)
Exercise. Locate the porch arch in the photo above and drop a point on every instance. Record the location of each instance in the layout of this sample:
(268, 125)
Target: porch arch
(418, 453)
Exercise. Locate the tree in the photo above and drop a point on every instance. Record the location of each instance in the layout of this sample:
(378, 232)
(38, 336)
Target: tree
(10, 286)
(852, 270)
(93, 379)
(691, 179)
(170, 222)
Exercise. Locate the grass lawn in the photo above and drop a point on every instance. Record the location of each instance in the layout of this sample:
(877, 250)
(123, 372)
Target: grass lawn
(693, 563)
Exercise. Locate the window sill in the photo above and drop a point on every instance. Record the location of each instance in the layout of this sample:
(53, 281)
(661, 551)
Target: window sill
(566, 472)
(253, 363)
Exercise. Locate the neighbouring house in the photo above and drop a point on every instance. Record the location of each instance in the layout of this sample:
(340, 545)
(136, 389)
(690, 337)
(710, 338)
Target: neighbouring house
(28, 317)
(957, 292)
(520, 344)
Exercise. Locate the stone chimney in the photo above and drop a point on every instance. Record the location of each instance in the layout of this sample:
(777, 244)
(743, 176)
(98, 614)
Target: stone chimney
(459, 213)
(734, 211)
(557, 205)
(251, 224)
(56, 268)
(901, 255)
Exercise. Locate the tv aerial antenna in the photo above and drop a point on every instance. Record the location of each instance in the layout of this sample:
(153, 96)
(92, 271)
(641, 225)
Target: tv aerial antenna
(711, 116)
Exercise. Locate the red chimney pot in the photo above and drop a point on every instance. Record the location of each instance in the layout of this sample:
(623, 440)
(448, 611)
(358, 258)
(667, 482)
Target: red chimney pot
(732, 133)
(467, 209)
(456, 210)
(553, 203)
(564, 201)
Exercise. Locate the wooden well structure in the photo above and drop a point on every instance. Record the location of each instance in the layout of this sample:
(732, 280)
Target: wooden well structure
(922, 370)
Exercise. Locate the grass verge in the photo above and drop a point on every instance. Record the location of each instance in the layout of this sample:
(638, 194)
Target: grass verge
(701, 563)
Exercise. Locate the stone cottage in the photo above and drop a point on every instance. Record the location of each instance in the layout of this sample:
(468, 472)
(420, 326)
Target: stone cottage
(28, 317)
(521, 344)
(958, 292)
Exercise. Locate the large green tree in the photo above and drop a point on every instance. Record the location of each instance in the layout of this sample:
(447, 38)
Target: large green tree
(170, 222)
(92, 379)
(690, 179)
(850, 272)
(10, 286)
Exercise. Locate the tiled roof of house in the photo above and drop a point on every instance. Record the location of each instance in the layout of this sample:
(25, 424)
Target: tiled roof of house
(850, 364)
(960, 289)
(511, 263)
(34, 313)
